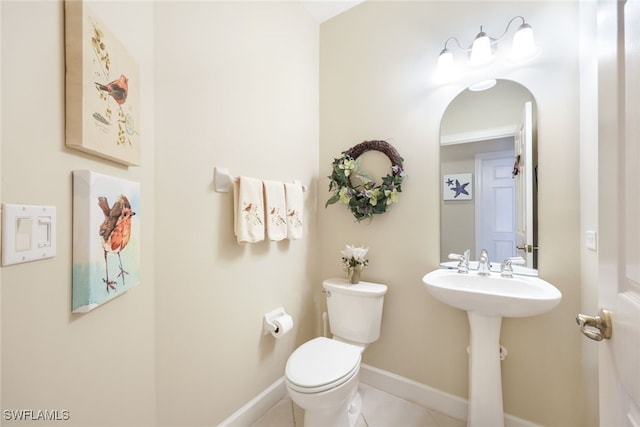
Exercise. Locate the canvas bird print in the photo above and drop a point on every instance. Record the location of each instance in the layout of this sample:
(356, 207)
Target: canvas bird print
(115, 231)
(106, 238)
(117, 89)
(103, 88)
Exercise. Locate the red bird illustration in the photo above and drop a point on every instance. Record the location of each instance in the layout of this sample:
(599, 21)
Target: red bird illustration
(248, 208)
(117, 89)
(115, 232)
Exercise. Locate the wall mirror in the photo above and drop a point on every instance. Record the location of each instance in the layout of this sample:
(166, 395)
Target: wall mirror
(488, 171)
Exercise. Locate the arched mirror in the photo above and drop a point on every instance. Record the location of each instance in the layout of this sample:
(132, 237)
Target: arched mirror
(488, 168)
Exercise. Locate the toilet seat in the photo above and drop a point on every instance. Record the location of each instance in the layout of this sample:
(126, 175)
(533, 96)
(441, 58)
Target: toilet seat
(321, 364)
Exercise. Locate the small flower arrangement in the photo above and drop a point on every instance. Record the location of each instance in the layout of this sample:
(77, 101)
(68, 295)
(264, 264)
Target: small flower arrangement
(369, 198)
(354, 261)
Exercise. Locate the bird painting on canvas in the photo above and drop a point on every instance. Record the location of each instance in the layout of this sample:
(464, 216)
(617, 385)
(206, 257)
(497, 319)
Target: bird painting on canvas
(106, 238)
(115, 232)
(117, 89)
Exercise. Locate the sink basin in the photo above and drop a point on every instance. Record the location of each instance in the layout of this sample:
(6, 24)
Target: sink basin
(487, 299)
(492, 295)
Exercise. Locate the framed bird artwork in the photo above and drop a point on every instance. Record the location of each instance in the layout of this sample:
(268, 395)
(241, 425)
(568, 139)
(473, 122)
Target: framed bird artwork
(106, 238)
(102, 89)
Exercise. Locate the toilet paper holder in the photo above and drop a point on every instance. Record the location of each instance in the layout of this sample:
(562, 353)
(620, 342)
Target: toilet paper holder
(267, 321)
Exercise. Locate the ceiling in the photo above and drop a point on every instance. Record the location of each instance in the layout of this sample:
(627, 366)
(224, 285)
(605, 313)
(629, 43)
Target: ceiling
(323, 10)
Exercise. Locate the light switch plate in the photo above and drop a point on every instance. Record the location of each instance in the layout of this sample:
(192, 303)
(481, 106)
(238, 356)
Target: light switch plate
(28, 233)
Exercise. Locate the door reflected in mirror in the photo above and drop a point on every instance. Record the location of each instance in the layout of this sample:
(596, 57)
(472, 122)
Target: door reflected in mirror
(488, 168)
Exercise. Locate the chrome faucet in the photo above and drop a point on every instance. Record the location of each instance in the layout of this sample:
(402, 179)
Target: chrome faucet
(463, 261)
(506, 269)
(484, 266)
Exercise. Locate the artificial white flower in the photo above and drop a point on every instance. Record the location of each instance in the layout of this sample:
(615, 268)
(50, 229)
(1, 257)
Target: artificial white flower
(354, 256)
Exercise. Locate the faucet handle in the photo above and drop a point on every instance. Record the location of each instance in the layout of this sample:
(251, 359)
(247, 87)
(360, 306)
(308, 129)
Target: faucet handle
(463, 262)
(507, 265)
(465, 255)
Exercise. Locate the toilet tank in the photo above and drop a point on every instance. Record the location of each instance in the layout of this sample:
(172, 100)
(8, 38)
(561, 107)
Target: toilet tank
(355, 311)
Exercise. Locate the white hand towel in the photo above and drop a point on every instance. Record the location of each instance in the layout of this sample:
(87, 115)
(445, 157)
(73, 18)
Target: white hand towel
(248, 210)
(295, 202)
(276, 210)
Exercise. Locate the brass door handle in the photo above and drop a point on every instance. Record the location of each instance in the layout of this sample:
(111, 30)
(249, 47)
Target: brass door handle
(595, 327)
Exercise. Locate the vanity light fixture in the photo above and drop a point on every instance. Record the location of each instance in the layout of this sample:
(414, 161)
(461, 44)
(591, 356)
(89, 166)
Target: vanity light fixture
(482, 50)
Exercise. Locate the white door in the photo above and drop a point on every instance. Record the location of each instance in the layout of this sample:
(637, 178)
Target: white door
(524, 176)
(495, 205)
(619, 210)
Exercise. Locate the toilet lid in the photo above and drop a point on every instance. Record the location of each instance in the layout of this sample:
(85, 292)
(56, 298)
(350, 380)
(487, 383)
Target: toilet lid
(322, 363)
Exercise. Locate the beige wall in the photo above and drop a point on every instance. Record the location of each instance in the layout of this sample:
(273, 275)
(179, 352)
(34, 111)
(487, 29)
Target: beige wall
(0, 199)
(99, 366)
(237, 87)
(376, 66)
(589, 196)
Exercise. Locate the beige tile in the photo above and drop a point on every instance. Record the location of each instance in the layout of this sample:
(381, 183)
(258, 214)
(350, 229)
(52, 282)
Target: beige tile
(379, 409)
(361, 422)
(281, 415)
(298, 416)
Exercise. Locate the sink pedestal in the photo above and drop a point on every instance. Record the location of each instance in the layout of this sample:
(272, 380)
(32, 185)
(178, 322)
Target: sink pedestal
(487, 299)
(485, 377)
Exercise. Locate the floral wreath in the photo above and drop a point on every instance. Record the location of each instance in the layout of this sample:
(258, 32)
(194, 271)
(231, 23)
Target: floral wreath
(367, 199)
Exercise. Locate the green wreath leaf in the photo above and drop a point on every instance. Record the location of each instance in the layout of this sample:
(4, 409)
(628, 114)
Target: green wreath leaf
(366, 199)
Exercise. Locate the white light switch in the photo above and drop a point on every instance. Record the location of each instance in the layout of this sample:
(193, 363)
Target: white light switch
(43, 230)
(23, 234)
(28, 233)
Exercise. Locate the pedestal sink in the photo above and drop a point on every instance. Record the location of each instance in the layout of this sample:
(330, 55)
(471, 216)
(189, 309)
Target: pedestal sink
(487, 299)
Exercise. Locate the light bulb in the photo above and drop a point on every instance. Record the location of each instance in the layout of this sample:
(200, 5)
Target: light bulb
(524, 45)
(445, 70)
(481, 50)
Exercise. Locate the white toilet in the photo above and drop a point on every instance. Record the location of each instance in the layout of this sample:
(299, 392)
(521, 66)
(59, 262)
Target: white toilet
(322, 374)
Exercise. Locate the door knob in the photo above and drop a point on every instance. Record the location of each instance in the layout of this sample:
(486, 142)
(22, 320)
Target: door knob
(595, 327)
(527, 248)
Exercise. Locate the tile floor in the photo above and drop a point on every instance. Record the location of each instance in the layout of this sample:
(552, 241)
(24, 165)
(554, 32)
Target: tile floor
(379, 409)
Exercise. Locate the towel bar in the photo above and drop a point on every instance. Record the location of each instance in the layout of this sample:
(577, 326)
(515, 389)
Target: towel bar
(224, 180)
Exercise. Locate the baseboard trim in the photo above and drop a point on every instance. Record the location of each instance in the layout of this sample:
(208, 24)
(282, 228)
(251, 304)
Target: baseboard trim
(423, 395)
(404, 388)
(258, 406)
(414, 392)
